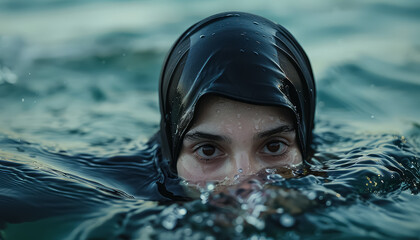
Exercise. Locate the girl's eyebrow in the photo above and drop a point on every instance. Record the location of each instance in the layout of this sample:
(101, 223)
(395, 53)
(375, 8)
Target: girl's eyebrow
(280, 129)
(197, 135)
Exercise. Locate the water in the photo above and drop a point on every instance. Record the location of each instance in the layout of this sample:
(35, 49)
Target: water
(78, 102)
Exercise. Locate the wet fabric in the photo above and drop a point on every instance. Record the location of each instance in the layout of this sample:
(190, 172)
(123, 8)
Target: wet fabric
(240, 56)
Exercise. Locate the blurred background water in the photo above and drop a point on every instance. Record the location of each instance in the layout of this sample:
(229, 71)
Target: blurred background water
(78, 87)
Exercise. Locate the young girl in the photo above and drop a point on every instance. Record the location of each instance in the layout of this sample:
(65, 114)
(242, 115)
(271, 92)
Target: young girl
(237, 95)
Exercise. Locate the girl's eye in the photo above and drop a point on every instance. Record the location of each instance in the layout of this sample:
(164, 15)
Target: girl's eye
(208, 151)
(274, 148)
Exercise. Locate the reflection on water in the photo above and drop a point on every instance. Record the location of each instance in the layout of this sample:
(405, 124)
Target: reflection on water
(78, 102)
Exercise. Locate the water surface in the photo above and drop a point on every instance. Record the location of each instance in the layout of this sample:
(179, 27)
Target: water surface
(78, 102)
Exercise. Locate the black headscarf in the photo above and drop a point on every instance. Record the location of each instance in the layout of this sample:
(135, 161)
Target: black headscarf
(240, 56)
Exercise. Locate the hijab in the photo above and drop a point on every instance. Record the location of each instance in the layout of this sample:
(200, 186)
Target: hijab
(240, 56)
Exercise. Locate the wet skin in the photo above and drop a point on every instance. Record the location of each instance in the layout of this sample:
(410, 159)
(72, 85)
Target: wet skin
(230, 137)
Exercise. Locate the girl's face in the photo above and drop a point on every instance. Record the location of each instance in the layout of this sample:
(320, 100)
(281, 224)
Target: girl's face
(230, 137)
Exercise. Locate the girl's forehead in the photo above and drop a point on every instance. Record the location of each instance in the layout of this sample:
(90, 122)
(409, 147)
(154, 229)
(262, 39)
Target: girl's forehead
(218, 108)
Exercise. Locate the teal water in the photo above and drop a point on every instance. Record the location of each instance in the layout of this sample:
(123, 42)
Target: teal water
(78, 102)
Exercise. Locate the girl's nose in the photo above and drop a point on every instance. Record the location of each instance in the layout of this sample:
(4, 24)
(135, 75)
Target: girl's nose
(245, 164)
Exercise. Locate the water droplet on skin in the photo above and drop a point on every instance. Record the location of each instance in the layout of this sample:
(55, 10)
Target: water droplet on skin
(286, 220)
(202, 36)
(210, 186)
(275, 177)
(204, 196)
(236, 177)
